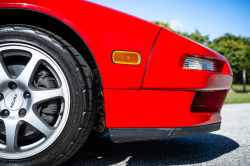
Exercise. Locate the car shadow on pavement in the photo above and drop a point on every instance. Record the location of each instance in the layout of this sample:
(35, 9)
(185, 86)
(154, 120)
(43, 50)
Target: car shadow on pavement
(178, 151)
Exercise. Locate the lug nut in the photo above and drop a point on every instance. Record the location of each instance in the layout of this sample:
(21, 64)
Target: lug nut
(5, 113)
(1, 96)
(22, 112)
(12, 85)
(26, 95)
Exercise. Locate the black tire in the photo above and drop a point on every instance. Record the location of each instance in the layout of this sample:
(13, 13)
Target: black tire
(82, 92)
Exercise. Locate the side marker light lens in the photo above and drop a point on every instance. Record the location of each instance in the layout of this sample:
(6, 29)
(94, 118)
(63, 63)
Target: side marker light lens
(126, 57)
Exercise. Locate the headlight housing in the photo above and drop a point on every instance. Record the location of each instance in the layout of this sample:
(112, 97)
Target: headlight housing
(200, 64)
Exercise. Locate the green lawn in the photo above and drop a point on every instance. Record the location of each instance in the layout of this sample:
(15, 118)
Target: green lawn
(239, 88)
(239, 96)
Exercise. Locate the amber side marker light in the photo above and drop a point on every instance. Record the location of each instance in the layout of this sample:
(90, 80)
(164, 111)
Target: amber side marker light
(126, 57)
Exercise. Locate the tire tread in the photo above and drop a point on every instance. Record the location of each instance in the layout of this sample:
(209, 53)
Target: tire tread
(84, 72)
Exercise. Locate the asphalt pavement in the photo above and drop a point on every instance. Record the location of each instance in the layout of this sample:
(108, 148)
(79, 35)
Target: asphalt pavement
(228, 146)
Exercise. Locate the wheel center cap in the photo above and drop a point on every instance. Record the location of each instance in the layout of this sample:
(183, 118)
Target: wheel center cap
(13, 100)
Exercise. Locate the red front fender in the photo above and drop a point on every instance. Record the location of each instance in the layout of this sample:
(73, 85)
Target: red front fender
(104, 30)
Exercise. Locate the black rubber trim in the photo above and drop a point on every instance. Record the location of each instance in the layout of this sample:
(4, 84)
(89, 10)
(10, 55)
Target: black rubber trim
(150, 56)
(119, 135)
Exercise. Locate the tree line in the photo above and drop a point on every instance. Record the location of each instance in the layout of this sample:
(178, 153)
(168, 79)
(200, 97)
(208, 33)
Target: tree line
(235, 48)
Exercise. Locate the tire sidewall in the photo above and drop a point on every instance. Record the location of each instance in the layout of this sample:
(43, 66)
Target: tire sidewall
(76, 83)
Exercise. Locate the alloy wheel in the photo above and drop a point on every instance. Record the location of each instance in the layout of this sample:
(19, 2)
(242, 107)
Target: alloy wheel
(24, 129)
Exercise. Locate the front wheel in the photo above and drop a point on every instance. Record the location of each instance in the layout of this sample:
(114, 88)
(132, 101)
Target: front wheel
(46, 97)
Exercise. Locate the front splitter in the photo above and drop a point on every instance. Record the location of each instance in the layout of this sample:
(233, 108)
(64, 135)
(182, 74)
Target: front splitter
(119, 135)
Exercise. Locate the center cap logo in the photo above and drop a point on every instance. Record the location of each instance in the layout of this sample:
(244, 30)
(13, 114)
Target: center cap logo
(13, 101)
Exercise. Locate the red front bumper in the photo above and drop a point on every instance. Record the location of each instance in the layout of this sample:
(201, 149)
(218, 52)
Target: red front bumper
(171, 96)
(153, 109)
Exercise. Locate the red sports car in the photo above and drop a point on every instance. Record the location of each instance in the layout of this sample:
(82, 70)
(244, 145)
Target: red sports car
(70, 69)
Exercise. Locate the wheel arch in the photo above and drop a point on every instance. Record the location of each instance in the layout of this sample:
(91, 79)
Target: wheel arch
(54, 25)
(62, 29)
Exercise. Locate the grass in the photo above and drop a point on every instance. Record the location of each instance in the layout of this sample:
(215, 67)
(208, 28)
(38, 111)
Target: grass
(239, 96)
(239, 88)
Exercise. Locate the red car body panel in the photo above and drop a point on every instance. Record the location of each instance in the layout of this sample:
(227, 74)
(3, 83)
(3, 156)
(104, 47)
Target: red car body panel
(153, 108)
(165, 69)
(156, 93)
(104, 30)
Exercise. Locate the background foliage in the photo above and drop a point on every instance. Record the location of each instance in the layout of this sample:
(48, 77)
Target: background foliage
(235, 48)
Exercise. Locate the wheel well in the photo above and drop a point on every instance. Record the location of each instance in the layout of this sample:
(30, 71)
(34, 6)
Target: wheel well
(52, 24)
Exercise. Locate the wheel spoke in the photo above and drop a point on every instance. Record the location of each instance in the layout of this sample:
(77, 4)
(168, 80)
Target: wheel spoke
(39, 96)
(35, 91)
(3, 71)
(11, 128)
(33, 119)
(29, 70)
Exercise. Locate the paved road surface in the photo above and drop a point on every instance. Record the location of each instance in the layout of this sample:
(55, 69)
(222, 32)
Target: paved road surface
(229, 146)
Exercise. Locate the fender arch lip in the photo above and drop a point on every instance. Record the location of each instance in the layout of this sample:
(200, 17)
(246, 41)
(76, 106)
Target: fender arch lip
(111, 30)
(18, 9)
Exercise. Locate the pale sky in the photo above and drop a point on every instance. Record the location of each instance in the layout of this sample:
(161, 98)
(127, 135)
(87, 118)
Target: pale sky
(210, 17)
